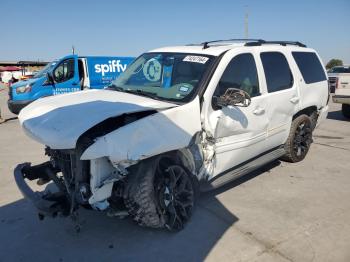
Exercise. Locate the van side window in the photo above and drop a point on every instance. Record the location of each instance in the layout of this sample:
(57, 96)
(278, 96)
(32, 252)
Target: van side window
(310, 67)
(64, 71)
(240, 73)
(277, 72)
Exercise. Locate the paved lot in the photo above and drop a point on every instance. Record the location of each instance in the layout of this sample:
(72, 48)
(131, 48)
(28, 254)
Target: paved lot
(285, 212)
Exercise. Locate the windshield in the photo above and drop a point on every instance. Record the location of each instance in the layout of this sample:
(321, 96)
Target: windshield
(343, 69)
(165, 76)
(46, 69)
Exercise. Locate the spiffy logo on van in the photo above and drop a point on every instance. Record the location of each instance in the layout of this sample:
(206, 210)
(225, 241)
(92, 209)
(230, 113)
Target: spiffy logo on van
(112, 66)
(103, 70)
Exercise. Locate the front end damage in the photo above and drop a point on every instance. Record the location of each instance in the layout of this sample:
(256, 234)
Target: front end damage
(106, 168)
(96, 184)
(71, 183)
(48, 204)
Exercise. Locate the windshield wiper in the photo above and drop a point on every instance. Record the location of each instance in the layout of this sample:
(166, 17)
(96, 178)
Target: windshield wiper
(117, 88)
(133, 91)
(143, 93)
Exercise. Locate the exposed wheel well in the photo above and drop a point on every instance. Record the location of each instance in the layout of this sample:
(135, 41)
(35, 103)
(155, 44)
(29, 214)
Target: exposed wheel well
(183, 156)
(310, 111)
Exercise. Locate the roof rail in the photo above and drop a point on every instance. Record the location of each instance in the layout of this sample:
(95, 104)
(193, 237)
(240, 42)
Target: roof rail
(283, 43)
(206, 44)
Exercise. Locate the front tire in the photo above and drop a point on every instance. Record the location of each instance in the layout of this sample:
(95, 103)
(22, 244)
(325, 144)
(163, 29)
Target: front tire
(299, 139)
(160, 193)
(345, 108)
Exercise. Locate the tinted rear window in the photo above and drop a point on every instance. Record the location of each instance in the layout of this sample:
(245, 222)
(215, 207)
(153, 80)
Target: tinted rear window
(310, 67)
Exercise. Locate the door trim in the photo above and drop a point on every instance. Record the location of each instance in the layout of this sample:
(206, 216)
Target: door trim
(243, 168)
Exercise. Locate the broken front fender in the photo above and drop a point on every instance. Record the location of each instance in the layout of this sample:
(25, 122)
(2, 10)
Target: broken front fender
(158, 133)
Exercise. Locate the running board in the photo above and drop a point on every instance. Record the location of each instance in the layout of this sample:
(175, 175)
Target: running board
(242, 169)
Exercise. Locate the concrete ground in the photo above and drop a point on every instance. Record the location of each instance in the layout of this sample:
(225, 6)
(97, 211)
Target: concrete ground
(284, 212)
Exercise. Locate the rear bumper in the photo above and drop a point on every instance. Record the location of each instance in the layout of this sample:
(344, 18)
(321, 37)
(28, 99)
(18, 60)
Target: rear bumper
(46, 204)
(341, 99)
(15, 106)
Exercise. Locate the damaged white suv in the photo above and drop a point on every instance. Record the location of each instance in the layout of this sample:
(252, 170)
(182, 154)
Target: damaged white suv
(178, 121)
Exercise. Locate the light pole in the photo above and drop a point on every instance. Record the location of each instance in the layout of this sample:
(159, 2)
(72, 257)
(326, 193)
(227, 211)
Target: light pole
(246, 17)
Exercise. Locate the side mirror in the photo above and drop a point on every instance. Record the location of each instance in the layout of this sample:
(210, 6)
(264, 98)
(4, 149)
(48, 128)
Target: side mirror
(232, 97)
(49, 79)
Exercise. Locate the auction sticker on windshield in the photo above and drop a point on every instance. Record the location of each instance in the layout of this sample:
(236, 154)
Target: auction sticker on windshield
(196, 59)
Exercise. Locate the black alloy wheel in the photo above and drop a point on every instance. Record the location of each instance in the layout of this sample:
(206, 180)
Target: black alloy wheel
(299, 140)
(302, 139)
(175, 192)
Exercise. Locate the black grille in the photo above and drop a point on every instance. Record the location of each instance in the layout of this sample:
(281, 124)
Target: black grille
(332, 80)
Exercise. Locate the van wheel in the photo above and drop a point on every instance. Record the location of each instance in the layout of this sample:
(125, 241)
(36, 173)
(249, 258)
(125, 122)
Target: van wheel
(345, 108)
(160, 193)
(299, 139)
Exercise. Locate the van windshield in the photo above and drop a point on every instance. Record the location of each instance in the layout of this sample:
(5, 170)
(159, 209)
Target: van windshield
(46, 69)
(164, 76)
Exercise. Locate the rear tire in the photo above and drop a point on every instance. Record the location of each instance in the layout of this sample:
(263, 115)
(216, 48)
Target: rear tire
(160, 193)
(345, 108)
(299, 139)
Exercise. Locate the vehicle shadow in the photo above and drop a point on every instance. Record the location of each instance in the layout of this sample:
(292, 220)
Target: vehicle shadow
(337, 115)
(105, 239)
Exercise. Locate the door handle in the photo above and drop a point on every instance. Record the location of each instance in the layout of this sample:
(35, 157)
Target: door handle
(294, 99)
(259, 111)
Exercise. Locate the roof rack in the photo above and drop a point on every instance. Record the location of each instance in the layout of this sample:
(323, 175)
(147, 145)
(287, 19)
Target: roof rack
(283, 43)
(206, 44)
(253, 42)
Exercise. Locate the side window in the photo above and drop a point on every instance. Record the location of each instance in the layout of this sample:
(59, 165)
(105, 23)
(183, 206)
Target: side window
(64, 71)
(277, 71)
(310, 67)
(240, 73)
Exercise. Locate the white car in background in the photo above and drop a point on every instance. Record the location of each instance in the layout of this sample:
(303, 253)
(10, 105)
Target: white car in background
(333, 74)
(341, 84)
(179, 120)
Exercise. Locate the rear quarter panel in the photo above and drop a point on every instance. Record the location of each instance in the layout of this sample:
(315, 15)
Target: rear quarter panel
(312, 94)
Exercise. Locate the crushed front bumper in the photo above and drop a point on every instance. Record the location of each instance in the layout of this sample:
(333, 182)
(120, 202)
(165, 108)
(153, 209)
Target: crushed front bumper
(48, 204)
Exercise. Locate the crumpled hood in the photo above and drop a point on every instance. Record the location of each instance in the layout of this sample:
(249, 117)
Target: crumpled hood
(58, 121)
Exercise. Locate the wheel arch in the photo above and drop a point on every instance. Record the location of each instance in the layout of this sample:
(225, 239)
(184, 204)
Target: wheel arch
(184, 156)
(306, 111)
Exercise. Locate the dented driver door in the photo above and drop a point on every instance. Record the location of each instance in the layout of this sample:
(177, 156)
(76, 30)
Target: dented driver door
(239, 132)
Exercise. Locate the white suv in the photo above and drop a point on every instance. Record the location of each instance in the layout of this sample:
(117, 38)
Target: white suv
(178, 121)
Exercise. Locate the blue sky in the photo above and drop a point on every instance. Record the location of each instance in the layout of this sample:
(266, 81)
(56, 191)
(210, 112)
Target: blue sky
(45, 30)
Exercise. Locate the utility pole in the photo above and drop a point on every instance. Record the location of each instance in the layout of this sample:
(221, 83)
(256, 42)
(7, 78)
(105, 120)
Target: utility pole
(73, 49)
(246, 17)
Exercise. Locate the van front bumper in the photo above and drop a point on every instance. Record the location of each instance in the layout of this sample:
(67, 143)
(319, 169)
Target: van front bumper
(15, 106)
